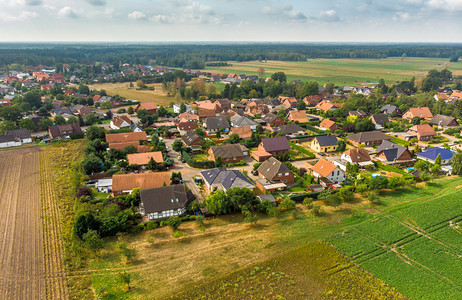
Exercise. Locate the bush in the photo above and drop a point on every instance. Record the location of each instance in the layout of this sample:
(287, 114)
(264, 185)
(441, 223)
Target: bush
(333, 200)
(373, 198)
(307, 201)
(83, 191)
(317, 210)
(93, 240)
(287, 204)
(174, 222)
(301, 196)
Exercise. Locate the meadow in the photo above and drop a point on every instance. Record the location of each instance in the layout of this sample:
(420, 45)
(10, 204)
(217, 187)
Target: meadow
(345, 71)
(415, 246)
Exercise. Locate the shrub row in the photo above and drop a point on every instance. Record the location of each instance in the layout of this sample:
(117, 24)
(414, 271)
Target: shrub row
(208, 164)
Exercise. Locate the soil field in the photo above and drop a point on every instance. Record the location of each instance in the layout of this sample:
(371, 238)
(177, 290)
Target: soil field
(26, 269)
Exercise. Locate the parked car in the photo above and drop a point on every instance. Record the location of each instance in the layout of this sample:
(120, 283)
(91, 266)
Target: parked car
(182, 160)
(321, 154)
(254, 172)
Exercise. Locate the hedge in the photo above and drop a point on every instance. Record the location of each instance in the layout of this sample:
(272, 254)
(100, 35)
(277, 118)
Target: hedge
(300, 197)
(208, 164)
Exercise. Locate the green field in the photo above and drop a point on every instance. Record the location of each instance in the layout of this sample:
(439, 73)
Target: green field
(345, 71)
(416, 246)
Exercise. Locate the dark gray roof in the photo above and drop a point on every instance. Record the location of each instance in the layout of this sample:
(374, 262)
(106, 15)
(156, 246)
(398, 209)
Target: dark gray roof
(389, 109)
(268, 197)
(289, 129)
(7, 138)
(228, 151)
(327, 140)
(380, 119)
(359, 113)
(216, 122)
(369, 136)
(226, 178)
(279, 143)
(269, 117)
(134, 126)
(19, 133)
(241, 121)
(271, 167)
(390, 150)
(441, 120)
(190, 137)
(164, 198)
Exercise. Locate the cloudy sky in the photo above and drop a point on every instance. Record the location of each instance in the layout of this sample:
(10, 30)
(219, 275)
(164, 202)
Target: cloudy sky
(232, 20)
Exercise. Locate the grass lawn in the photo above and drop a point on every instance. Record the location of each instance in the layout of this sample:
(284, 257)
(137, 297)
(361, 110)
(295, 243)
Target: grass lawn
(200, 157)
(399, 141)
(345, 71)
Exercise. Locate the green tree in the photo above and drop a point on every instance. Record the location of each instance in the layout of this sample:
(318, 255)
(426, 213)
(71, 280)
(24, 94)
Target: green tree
(218, 203)
(91, 119)
(152, 165)
(95, 133)
(6, 125)
(130, 110)
(174, 222)
(301, 105)
(457, 164)
(161, 111)
(182, 107)
(178, 146)
(92, 240)
(241, 196)
(59, 120)
(438, 160)
(341, 145)
(378, 183)
(279, 76)
(83, 89)
(421, 165)
(287, 204)
(233, 138)
(218, 162)
(10, 113)
(92, 164)
(345, 194)
(333, 200)
(27, 124)
(44, 123)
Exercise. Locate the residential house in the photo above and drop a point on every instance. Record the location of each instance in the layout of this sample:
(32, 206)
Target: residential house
(290, 129)
(431, 154)
(444, 121)
(389, 109)
(276, 146)
(298, 116)
(456, 95)
(64, 131)
(390, 153)
(124, 183)
(244, 132)
(184, 127)
(326, 169)
(164, 202)
(379, 120)
(326, 106)
(122, 140)
(135, 127)
(223, 104)
(5, 102)
(327, 124)
(223, 179)
(424, 132)
(216, 123)
(46, 87)
(204, 113)
(289, 102)
(7, 141)
(120, 122)
(104, 185)
(186, 117)
(423, 113)
(357, 113)
(229, 153)
(276, 172)
(368, 138)
(63, 112)
(311, 100)
(144, 158)
(150, 107)
(324, 143)
(358, 156)
(192, 139)
(273, 120)
(242, 121)
(177, 108)
(207, 104)
(22, 134)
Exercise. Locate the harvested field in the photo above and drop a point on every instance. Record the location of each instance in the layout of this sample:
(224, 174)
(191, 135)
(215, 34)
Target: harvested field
(31, 264)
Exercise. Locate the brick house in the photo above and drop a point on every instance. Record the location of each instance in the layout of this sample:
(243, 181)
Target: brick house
(424, 132)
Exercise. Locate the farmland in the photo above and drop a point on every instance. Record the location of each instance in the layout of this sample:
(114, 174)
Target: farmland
(415, 246)
(124, 90)
(345, 71)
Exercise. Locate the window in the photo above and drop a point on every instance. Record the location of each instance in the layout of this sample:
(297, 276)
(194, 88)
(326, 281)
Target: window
(287, 174)
(338, 173)
(280, 174)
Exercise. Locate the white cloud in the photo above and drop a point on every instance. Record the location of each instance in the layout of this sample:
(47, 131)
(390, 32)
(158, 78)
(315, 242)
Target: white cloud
(329, 15)
(67, 12)
(285, 12)
(97, 2)
(402, 17)
(447, 5)
(137, 15)
(164, 19)
(23, 16)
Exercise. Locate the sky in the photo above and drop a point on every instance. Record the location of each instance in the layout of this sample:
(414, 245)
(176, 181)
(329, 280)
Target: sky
(231, 20)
